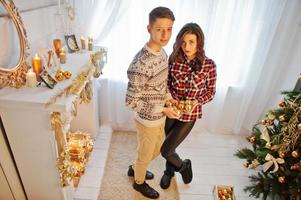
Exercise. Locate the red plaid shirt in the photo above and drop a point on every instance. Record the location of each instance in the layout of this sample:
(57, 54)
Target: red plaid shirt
(190, 80)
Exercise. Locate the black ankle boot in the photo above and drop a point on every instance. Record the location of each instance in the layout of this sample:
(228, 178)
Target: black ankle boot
(146, 190)
(165, 180)
(186, 171)
(149, 175)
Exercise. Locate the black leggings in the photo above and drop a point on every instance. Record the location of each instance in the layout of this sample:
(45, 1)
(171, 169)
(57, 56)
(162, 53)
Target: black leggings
(175, 132)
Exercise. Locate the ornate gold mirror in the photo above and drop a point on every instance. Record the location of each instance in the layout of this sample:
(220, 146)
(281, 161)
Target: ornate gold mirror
(14, 46)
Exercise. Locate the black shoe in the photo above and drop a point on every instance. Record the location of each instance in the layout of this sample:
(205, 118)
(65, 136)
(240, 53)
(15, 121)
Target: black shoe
(165, 181)
(146, 190)
(149, 175)
(186, 171)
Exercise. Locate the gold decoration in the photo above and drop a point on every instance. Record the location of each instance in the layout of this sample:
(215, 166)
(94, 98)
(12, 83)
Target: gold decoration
(67, 74)
(57, 126)
(253, 139)
(289, 134)
(281, 154)
(254, 164)
(281, 118)
(281, 179)
(168, 103)
(59, 76)
(79, 147)
(87, 93)
(16, 77)
(77, 84)
(65, 168)
(181, 106)
(95, 57)
(295, 154)
(299, 127)
(222, 192)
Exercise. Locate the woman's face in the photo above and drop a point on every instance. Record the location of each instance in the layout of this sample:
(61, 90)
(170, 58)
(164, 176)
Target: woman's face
(189, 45)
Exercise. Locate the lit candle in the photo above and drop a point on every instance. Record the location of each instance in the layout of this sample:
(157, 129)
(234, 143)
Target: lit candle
(37, 66)
(31, 79)
(83, 42)
(57, 46)
(62, 56)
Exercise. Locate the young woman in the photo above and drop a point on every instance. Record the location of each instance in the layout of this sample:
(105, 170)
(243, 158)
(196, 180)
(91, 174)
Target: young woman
(192, 76)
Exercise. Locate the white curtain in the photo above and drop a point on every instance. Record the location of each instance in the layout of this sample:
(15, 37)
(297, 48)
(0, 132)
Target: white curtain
(251, 42)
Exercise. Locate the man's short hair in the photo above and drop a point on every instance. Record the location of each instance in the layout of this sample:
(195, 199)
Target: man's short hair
(160, 12)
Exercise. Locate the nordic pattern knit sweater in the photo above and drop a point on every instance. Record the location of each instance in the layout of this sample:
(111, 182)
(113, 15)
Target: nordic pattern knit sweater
(147, 86)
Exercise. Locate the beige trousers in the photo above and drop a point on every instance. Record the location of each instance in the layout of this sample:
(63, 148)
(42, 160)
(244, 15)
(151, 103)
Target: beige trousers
(149, 141)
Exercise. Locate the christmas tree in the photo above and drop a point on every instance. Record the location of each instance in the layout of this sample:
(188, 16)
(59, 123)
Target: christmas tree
(276, 151)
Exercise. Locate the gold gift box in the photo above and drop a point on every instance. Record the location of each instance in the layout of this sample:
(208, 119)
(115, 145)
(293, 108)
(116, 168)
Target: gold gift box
(223, 192)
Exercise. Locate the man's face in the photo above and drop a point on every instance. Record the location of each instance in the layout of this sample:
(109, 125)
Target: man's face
(160, 31)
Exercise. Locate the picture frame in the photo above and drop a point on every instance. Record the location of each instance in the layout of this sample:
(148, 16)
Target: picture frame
(48, 79)
(71, 43)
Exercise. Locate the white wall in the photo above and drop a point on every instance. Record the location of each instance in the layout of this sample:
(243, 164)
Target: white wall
(41, 23)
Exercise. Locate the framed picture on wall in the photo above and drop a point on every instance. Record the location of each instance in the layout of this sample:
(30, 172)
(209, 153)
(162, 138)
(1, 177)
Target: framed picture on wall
(71, 43)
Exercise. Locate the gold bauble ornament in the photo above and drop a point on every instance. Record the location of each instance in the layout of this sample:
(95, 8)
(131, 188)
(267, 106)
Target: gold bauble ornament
(67, 74)
(168, 103)
(281, 179)
(281, 118)
(181, 102)
(253, 139)
(181, 106)
(188, 102)
(281, 154)
(176, 110)
(188, 107)
(59, 76)
(295, 154)
(299, 127)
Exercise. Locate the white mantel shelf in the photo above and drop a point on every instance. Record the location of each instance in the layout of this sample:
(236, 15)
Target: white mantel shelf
(28, 128)
(37, 97)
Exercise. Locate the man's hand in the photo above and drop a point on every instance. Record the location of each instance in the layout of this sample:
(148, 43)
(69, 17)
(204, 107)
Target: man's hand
(170, 113)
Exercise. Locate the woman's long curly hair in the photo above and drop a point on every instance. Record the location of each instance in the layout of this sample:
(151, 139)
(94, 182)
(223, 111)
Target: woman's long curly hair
(178, 55)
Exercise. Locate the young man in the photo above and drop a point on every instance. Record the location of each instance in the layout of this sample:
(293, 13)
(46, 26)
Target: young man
(146, 95)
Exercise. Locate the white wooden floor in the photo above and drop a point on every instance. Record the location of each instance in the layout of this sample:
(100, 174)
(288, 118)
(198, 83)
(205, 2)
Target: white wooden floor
(212, 161)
